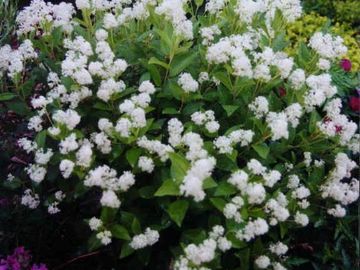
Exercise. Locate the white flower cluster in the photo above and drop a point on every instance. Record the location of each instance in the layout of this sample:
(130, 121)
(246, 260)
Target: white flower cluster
(204, 252)
(30, 199)
(38, 170)
(41, 17)
(13, 61)
(279, 248)
(290, 9)
(320, 89)
(175, 129)
(53, 207)
(337, 124)
(76, 59)
(225, 144)
(342, 192)
(155, 147)
(107, 66)
(192, 184)
(259, 107)
(134, 110)
(174, 12)
(328, 46)
(206, 118)
(187, 83)
(148, 238)
(277, 209)
(208, 33)
(106, 178)
(252, 229)
(146, 164)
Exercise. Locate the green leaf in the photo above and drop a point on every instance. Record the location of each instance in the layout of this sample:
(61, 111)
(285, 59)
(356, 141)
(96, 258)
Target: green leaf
(179, 167)
(230, 109)
(177, 211)
(209, 183)
(225, 189)
(296, 261)
(120, 232)
(132, 156)
(107, 214)
(262, 150)
(155, 61)
(168, 188)
(198, 3)
(126, 250)
(218, 203)
(314, 118)
(93, 242)
(170, 111)
(224, 79)
(40, 138)
(181, 62)
(135, 226)
(7, 96)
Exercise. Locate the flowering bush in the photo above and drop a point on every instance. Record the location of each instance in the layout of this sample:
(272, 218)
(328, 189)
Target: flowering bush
(187, 123)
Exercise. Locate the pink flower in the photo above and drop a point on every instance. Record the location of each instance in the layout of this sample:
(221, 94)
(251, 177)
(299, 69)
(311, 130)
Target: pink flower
(354, 103)
(345, 64)
(282, 92)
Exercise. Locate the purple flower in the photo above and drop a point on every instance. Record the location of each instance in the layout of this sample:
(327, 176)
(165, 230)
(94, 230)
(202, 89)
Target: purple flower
(39, 267)
(345, 64)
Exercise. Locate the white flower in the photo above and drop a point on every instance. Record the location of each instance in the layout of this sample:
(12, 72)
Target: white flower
(205, 252)
(253, 228)
(262, 262)
(146, 164)
(338, 211)
(256, 167)
(104, 237)
(123, 126)
(126, 180)
(279, 248)
(327, 46)
(271, 177)
(69, 118)
(110, 199)
(95, 223)
(301, 219)
(187, 83)
(66, 167)
(260, 107)
(297, 79)
(42, 157)
(30, 199)
(278, 124)
(147, 87)
(149, 238)
(193, 181)
(69, 144)
(36, 172)
(256, 193)
(239, 179)
(84, 154)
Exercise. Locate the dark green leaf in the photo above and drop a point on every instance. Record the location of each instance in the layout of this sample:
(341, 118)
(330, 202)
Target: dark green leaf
(262, 150)
(177, 211)
(169, 187)
(7, 96)
(120, 232)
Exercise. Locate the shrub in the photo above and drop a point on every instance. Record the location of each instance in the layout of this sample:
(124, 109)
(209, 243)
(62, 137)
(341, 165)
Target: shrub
(343, 11)
(182, 133)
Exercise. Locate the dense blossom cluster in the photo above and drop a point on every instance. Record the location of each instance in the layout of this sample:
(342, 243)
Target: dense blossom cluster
(171, 125)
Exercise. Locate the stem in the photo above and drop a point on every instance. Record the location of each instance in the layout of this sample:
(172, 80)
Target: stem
(76, 259)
